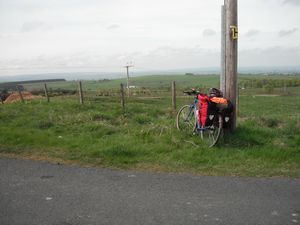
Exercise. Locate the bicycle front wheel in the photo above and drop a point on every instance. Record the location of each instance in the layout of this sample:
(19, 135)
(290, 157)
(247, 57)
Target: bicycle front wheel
(211, 134)
(186, 120)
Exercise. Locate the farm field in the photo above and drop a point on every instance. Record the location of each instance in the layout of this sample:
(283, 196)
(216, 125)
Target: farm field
(266, 142)
(248, 84)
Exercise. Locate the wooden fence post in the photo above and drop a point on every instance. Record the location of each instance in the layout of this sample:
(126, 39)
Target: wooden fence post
(20, 94)
(46, 92)
(284, 88)
(122, 97)
(174, 96)
(80, 92)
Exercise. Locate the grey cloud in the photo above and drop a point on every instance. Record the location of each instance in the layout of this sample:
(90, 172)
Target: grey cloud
(292, 2)
(283, 33)
(160, 58)
(79, 61)
(34, 25)
(176, 58)
(37, 6)
(252, 33)
(3, 36)
(199, 57)
(274, 56)
(209, 32)
(113, 27)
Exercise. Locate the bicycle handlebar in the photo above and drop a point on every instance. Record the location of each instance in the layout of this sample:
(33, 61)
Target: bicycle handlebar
(192, 92)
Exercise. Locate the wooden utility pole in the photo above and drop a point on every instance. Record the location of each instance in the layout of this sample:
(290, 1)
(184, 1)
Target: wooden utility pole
(127, 73)
(122, 98)
(80, 92)
(46, 92)
(231, 55)
(223, 49)
(174, 96)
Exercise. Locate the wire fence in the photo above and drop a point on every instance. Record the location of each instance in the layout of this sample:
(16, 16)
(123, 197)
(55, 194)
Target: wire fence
(86, 92)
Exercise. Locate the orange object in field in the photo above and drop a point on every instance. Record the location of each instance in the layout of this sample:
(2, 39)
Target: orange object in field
(15, 97)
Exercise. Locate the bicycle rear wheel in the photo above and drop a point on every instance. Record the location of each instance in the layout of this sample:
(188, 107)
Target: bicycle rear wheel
(211, 134)
(186, 120)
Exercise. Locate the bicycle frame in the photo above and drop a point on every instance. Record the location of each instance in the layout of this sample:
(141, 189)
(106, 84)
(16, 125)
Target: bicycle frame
(194, 107)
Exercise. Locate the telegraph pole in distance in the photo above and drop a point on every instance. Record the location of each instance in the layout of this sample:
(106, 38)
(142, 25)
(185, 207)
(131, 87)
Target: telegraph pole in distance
(231, 56)
(127, 72)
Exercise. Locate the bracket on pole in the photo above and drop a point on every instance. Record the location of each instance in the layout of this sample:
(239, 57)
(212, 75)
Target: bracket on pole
(234, 32)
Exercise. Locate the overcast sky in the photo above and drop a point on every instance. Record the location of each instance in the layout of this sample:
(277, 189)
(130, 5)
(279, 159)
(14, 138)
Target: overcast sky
(103, 35)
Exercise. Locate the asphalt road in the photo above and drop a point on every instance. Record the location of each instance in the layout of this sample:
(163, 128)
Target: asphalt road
(42, 193)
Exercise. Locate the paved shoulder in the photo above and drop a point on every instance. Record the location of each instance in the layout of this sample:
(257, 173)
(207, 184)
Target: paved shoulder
(42, 193)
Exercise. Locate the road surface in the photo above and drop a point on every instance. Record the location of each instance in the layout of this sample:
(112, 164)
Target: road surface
(33, 193)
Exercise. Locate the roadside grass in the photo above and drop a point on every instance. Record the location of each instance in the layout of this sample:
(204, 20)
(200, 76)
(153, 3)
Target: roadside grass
(266, 142)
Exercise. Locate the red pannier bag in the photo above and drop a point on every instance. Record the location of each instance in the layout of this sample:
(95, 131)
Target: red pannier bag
(209, 106)
(203, 108)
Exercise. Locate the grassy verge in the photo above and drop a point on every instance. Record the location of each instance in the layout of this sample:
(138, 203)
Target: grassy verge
(266, 143)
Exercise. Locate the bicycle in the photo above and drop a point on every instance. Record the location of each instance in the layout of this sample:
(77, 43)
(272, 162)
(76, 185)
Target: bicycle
(187, 120)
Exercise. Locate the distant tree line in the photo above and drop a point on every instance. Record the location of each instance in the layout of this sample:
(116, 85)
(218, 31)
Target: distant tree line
(11, 86)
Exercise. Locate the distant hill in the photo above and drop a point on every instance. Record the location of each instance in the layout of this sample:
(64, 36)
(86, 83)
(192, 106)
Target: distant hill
(12, 85)
(135, 72)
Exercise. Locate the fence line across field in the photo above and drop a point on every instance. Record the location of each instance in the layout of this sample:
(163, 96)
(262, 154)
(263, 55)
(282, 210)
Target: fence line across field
(122, 95)
(139, 93)
(87, 93)
(92, 95)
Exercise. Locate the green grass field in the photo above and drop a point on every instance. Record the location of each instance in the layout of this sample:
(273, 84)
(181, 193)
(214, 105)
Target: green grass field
(154, 82)
(266, 142)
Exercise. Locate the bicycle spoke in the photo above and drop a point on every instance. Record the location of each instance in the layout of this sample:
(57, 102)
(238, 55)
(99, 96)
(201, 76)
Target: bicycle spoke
(211, 134)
